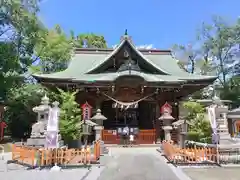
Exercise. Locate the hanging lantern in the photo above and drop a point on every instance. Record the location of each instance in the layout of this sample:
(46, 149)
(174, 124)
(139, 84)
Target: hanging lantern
(86, 129)
(86, 111)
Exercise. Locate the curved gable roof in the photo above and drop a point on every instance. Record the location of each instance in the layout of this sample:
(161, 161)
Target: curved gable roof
(115, 51)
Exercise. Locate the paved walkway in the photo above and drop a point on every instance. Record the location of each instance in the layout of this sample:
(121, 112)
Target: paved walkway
(123, 164)
(136, 164)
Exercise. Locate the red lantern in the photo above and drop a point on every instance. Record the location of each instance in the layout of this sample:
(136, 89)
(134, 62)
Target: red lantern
(166, 108)
(3, 125)
(86, 111)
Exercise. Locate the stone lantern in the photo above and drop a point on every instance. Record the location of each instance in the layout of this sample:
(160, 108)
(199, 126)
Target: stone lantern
(182, 127)
(167, 119)
(42, 110)
(98, 118)
(39, 129)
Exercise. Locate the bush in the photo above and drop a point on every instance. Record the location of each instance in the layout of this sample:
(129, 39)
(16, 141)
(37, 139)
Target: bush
(193, 136)
(199, 137)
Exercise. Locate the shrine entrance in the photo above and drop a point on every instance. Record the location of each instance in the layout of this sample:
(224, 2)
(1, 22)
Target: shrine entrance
(139, 118)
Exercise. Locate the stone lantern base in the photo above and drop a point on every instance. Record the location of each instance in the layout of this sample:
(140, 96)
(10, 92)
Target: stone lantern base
(167, 131)
(98, 132)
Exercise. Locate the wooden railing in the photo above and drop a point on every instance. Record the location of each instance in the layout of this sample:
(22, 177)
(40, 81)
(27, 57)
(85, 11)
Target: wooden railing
(145, 136)
(34, 157)
(188, 155)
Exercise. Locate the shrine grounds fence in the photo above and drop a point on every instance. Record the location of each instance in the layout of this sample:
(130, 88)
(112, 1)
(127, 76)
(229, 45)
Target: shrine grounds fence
(199, 155)
(36, 157)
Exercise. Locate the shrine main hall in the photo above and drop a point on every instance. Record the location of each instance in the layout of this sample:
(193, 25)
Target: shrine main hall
(129, 85)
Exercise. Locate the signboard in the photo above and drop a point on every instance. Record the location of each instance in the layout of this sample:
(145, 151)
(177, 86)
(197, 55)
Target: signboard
(213, 123)
(212, 119)
(53, 116)
(52, 128)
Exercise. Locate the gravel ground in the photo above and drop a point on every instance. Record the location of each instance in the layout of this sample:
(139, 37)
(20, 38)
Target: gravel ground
(214, 173)
(136, 164)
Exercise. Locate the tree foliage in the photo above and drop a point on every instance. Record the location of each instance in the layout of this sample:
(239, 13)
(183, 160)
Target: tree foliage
(216, 53)
(221, 44)
(70, 116)
(232, 92)
(90, 40)
(200, 129)
(53, 51)
(19, 31)
(19, 114)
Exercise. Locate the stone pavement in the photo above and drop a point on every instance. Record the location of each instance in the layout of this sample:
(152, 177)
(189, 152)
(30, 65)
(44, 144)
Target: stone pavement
(123, 164)
(16, 172)
(136, 164)
(213, 173)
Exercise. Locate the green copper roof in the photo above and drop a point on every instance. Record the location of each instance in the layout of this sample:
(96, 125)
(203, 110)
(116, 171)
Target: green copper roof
(82, 65)
(115, 76)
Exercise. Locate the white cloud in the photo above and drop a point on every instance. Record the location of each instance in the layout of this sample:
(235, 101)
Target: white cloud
(146, 46)
(115, 46)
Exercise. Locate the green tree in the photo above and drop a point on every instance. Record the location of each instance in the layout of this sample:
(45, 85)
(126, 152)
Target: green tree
(53, 51)
(70, 116)
(19, 31)
(10, 68)
(91, 40)
(200, 129)
(232, 92)
(19, 114)
(20, 26)
(220, 42)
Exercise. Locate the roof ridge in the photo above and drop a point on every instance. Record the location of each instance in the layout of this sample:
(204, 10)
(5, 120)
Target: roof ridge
(97, 50)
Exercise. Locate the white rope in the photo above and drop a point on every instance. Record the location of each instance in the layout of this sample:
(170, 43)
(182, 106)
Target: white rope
(127, 104)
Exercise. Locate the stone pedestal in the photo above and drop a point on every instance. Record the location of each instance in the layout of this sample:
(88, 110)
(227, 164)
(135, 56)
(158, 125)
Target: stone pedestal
(98, 132)
(167, 132)
(182, 139)
(38, 142)
(41, 142)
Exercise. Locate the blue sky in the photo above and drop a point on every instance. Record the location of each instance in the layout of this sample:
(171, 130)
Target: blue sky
(161, 23)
